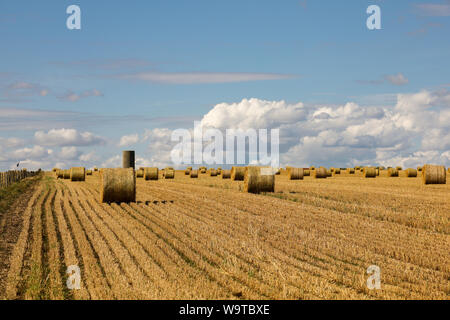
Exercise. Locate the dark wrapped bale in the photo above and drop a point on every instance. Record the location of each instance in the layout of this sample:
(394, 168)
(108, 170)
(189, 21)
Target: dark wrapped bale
(194, 174)
(392, 172)
(295, 173)
(237, 173)
(370, 172)
(433, 174)
(259, 179)
(128, 159)
(226, 174)
(151, 173)
(411, 173)
(77, 174)
(117, 185)
(319, 173)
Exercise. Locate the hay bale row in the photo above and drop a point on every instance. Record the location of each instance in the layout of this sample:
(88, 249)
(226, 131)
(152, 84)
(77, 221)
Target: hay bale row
(151, 173)
(257, 180)
(237, 173)
(77, 174)
(392, 172)
(433, 174)
(320, 173)
(226, 174)
(140, 173)
(169, 173)
(411, 173)
(117, 185)
(295, 173)
(370, 172)
(194, 174)
(336, 170)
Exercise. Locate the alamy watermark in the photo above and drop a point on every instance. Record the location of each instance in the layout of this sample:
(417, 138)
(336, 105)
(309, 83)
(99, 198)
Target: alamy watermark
(374, 280)
(74, 277)
(238, 146)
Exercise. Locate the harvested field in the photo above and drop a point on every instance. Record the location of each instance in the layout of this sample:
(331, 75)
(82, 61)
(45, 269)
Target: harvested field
(205, 239)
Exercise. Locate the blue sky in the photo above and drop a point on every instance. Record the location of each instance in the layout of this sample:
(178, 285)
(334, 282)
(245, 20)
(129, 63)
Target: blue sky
(132, 64)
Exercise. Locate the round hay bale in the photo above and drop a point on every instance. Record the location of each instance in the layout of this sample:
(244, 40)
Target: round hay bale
(320, 173)
(357, 168)
(398, 168)
(77, 174)
(151, 173)
(257, 180)
(55, 169)
(295, 173)
(226, 174)
(140, 173)
(411, 173)
(194, 174)
(306, 172)
(89, 172)
(312, 168)
(392, 172)
(433, 174)
(203, 170)
(213, 173)
(187, 171)
(66, 174)
(381, 168)
(419, 168)
(278, 172)
(169, 174)
(337, 171)
(329, 173)
(370, 172)
(117, 185)
(60, 174)
(237, 173)
(351, 171)
(95, 169)
(128, 159)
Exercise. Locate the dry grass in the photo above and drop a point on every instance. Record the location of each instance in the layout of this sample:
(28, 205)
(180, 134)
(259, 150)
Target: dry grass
(204, 239)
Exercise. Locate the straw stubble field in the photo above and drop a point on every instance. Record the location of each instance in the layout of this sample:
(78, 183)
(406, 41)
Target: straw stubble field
(204, 239)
